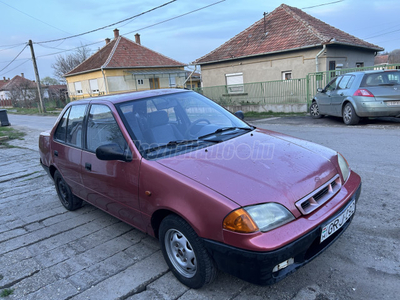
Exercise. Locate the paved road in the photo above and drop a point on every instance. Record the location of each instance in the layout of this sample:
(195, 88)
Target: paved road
(47, 252)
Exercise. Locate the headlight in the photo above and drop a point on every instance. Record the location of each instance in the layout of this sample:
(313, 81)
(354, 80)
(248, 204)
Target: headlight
(344, 167)
(263, 217)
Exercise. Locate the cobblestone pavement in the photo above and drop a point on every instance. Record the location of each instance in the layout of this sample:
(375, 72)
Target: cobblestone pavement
(47, 252)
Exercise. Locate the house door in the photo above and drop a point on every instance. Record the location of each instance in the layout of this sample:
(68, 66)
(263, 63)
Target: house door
(154, 83)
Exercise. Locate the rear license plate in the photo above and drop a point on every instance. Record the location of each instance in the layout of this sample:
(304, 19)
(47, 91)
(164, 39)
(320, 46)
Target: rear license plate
(392, 103)
(338, 222)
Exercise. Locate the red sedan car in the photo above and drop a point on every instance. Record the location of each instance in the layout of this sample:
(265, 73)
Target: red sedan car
(215, 191)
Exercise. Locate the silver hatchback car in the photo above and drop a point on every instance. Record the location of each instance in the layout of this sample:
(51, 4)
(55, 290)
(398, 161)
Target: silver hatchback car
(357, 95)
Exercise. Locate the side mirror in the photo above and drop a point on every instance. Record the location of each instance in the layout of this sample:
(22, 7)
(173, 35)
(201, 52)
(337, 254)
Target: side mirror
(239, 114)
(320, 90)
(113, 152)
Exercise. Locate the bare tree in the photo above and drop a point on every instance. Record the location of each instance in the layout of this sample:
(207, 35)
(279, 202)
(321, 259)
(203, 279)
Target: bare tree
(24, 95)
(66, 63)
(394, 57)
(49, 81)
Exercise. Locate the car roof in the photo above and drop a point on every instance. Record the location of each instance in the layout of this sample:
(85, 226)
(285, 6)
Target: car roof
(372, 71)
(129, 96)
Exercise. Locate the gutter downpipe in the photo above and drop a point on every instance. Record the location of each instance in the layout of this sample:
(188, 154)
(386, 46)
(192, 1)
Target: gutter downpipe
(105, 80)
(316, 60)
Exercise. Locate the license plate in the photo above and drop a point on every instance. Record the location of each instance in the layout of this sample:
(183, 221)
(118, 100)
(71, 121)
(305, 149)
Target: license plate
(338, 222)
(392, 103)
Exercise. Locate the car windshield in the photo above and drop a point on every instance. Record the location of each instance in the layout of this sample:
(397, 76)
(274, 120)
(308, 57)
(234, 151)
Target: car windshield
(381, 79)
(177, 123)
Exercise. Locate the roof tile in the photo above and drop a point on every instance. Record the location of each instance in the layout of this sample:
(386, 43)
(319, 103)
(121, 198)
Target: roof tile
(124, 53)
(286, 28)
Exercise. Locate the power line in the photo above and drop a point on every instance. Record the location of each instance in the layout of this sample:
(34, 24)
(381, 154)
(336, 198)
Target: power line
(62, 51)
(33, 17)
(378, 35)
(14, 59)
(97, 29)
(175, 17)
(26, 60)
(323, 4)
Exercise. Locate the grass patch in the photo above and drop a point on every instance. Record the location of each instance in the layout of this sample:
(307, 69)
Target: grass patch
(8, 133)
(34, 111)
(270, 114)
(6, 292)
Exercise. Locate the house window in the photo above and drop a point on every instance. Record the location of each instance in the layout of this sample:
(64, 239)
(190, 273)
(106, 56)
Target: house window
(78, 88)
(359, 64)
(140, 81)
(332, 66)
(172, 82)
(286, 75)
(234, 83)
(94, 86)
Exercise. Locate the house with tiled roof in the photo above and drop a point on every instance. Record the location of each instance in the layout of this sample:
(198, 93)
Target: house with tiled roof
(18, 88)
(381, 60)
(285, 44)
(123, 65)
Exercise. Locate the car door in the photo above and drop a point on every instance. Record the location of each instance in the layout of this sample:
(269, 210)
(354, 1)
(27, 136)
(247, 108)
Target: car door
(67, 147)
(324, 98)
(110, 185)
(340, 94)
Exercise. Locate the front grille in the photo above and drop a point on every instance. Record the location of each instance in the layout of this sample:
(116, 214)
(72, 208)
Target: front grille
(312, 201)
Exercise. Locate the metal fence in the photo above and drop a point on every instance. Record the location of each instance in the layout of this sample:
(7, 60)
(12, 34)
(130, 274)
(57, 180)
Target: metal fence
(271, 92)
(280, 92)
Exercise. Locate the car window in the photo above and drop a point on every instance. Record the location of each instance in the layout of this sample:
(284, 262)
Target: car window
(69, 129)
(333, 84)
(74, 125)
(61, 131)
(345, 82)
(381, 78)
(179, 117)
(103, 129)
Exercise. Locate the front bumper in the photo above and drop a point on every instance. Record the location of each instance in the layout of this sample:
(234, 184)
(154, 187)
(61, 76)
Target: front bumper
(257, 267)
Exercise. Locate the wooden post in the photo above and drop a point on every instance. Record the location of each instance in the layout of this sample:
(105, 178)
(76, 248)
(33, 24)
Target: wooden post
(37, 76)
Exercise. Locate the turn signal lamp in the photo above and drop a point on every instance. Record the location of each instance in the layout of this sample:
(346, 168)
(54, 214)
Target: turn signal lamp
(240, 221)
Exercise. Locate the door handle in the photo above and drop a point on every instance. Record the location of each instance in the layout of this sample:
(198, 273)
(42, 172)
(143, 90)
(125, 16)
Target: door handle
(55, 153)
(341, 94)
(88, 166)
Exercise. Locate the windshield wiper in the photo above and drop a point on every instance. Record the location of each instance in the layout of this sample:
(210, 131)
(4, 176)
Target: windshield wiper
(223, 129)
(174, 144)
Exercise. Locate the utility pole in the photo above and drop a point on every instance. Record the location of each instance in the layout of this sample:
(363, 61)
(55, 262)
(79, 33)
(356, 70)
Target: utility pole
(37, 76)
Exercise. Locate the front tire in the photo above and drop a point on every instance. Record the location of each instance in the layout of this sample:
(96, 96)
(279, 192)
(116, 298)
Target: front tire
(67, 199)
(349, 115)
(314, 110)
(185, 253)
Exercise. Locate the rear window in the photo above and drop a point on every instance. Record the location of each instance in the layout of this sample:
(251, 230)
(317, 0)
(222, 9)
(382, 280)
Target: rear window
(382, 78)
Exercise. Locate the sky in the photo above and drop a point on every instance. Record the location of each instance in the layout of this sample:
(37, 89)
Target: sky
(183, 30)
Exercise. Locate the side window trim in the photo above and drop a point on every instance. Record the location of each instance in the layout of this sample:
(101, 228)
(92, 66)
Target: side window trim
(67, 114)
(86, 127)
(60, 125)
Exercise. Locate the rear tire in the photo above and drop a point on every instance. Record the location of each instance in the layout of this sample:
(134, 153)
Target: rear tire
(185, 253)
(67, 199)
(314, 110)
(349, 115)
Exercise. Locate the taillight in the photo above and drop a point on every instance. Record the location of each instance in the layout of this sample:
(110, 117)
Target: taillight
(363, 92)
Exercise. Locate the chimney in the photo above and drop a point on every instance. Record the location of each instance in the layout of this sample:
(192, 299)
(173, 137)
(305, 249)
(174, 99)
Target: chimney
(4, 78)
(116, 33)
(107, 40)
(137, 38)
(22, 75)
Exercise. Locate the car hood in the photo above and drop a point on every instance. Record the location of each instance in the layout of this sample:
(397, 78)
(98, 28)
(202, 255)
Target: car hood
(258, 167)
